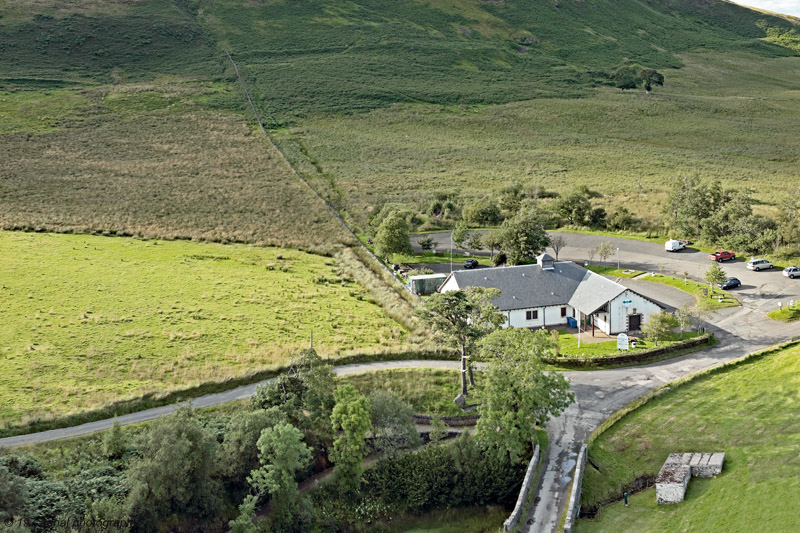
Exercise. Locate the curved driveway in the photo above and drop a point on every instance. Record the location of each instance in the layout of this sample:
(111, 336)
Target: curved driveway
(598, 393)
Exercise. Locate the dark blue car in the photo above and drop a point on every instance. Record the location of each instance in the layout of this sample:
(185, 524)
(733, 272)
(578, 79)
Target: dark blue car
(730, 283)
(471, 263)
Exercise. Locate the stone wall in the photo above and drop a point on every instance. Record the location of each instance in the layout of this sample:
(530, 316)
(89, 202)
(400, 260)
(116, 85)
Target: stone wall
(674, 476)
(513, 519)
(574, 506)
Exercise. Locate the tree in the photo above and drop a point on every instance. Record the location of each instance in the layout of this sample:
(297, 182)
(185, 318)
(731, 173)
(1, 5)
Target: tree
(393, 237)
(518, 396)
(491, 241)
(173, 477)
(510, 199)
(475, 241)
(13, 495)
(238, 453)
(557, 243)
(523, 237)
(574, 207)
(658, 326)
(685, 316)
(351, 420)
(392, 422)
(459, 235)
(626, 77)
(651, 77)
(462, 317)
(427, 244)
(621, 219)
(244, 522)
(482, 212)
(715, 275)
(115, 442)
(605, 249)
(282, 453)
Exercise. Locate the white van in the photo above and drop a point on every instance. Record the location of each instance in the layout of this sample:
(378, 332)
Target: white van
(673, 246)
(759, 264)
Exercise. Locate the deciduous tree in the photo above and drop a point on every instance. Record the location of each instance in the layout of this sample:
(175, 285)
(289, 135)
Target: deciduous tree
(462, 317)
(351, 421)
(518, 396)
(393, 237)
(658, 326)
(557, 243)
(715, 275)
(392, 422)
(650, 78)
(523, 237)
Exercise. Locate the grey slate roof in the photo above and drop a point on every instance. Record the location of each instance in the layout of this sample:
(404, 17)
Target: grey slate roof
(527, 286)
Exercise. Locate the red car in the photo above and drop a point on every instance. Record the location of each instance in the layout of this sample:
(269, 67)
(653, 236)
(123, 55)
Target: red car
(722, 255)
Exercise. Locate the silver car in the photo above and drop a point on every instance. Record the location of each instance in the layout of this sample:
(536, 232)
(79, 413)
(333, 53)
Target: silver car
(759, 264)
(791, 272)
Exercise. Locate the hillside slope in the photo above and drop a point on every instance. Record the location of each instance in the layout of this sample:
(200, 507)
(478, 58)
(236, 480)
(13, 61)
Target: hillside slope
(332, 55)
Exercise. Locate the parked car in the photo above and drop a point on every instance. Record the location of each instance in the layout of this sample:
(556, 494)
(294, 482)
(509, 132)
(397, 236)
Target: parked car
(722, 255)
(673, 245)
(730, 283)
(791, 272)
(471, 263)
(759, 264)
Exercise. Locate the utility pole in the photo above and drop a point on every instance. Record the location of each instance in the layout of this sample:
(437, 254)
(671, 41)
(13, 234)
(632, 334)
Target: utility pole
(617, 257)
(451, 252)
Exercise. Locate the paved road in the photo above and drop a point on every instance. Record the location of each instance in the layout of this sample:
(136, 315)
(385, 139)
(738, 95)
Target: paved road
(208, 400)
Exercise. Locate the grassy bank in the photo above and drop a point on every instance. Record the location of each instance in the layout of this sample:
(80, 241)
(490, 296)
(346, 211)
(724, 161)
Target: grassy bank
(427, 391)
(90, 320)
(747, 411)
(785, 314)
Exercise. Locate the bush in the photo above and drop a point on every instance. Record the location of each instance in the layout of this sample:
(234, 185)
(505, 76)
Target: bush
(500, 259)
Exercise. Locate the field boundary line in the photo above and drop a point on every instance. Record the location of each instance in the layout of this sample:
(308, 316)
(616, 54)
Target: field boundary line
(305, 181)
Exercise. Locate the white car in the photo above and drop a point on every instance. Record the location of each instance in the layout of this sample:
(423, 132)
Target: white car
(673, 245)
(791, 272)
(759, 264)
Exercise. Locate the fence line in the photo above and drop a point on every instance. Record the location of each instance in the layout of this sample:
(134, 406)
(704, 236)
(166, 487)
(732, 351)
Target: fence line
(305, 182)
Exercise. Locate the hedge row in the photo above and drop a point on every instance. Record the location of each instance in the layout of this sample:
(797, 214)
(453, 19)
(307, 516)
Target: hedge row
(638, 357)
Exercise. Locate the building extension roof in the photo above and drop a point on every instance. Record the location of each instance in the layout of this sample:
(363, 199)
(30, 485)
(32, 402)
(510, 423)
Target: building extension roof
(528, 286)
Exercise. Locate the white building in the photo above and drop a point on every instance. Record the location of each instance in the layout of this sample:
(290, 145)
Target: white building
(551, 293)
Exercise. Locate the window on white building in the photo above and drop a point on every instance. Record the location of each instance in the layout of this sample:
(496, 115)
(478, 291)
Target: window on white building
(532, 315)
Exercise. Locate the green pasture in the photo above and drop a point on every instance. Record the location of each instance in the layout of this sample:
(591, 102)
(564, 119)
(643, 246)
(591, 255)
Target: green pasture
(707, 303)
(748, 411)
(89, 320)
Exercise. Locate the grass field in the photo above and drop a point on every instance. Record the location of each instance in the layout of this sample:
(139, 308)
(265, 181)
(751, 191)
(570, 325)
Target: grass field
(427, 391)
(89, 320)
(785, 314)
(709, 303)
(713, 119)
(161, 160)
(749, 412)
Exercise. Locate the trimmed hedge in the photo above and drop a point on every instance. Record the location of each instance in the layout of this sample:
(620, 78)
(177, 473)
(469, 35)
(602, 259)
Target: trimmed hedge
(150, 400)
(460, 473)
(639, 357)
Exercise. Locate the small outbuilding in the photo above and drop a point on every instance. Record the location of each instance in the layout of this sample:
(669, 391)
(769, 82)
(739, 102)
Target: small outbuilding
(425, 283)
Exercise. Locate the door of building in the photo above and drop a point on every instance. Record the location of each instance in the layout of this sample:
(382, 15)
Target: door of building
(634, 322)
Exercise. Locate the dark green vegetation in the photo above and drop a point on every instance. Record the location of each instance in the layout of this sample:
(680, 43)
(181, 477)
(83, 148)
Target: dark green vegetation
(747, 411)
(48, 44)
(189, 471)
(321, 57)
